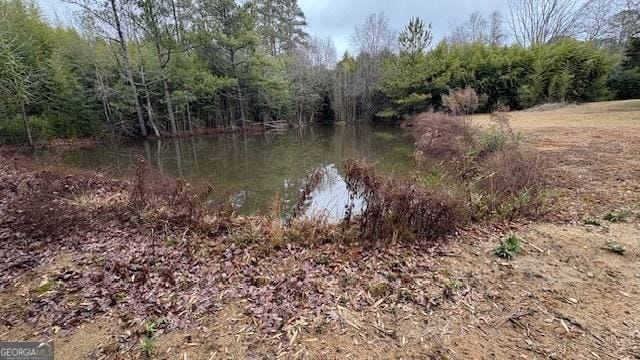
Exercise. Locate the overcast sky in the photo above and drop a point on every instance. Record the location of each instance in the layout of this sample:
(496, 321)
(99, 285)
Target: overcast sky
(337, 18)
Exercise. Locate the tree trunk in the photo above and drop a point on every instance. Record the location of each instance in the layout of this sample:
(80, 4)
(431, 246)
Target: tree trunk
(156, 132)
(143, 77)
(175, 20)
(167, 99)
(128, 71)
(107, 115)
(189, 117)
(232, 116)
(25, 122)
(243, 121)
(105, 102)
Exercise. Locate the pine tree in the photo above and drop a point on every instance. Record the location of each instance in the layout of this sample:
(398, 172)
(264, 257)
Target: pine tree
(416, 37)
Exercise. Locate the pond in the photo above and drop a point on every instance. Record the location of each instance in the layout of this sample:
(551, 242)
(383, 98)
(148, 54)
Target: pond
(251, 169)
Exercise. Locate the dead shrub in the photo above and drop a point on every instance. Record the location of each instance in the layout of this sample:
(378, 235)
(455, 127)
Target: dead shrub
(501, 177)
(138, 193)
(315, 230)
(184, 207)
(509, 178)
(159, 201)
(400, 209)
(443, 138)
(313, 179)
(46, 204)
(510, 183)
(461, 101)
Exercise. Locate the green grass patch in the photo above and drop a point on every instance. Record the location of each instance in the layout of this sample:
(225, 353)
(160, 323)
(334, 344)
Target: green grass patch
(509, 246)
(47, 285)
(379, 289)
(615, 248)
(589, 221)
(432, 177)
(454, 284)
(322, 259)
(492, 139)
(615, 216)
(148, 347)
(148, 339)
(249, 236)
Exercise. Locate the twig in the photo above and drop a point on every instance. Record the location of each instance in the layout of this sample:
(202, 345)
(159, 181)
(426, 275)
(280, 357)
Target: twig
(515, 315)
(389, 333)
(533, 246)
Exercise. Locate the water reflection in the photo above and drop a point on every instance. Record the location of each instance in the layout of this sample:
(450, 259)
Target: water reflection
(331, 197)
(249, 169)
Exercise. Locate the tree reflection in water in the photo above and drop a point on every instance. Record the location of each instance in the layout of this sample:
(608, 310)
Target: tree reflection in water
(249, 169)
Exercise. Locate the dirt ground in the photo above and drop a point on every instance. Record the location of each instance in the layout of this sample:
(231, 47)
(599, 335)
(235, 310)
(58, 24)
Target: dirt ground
(564, 296)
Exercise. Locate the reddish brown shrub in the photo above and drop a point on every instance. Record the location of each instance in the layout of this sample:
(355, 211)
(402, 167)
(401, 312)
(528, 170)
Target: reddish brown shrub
(443, 137)
(161, 201)
(501, 177)
(314, 178)
(45, 204)
(401, 209)
(510, 182)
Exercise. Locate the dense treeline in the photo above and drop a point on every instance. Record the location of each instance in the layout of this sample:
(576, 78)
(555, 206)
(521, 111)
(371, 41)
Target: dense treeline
(153, 67)
(165, 67)
(506, 77)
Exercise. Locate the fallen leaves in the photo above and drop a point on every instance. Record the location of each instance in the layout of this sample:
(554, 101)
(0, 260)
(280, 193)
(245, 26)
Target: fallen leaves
(121, 267)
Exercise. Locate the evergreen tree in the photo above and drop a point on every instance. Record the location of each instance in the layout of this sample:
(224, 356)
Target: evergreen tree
(416, 37)
(632, 54)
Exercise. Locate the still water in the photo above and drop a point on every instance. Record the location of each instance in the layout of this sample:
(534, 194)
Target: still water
(251, 169)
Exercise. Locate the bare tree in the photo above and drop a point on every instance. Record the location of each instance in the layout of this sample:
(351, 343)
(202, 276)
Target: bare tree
(479, 29)
(345, 98)
(322, 52)
(310, 74)
(477, 26)
(374, 36)
(496, 35)
(535, 22)
(373, 39)
(595, 19)
(612, 21)
(625, 23)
